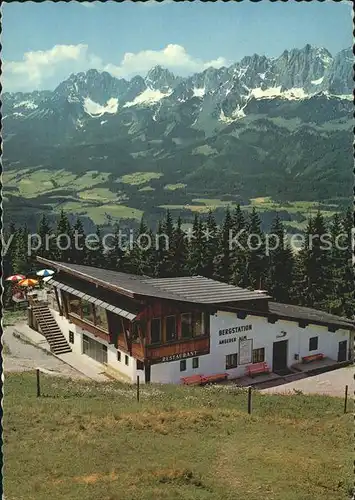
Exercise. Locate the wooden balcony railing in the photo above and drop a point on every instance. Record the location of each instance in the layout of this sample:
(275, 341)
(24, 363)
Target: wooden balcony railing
(89, 327)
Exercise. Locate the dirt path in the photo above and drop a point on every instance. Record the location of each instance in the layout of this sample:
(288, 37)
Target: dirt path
(25, 357)
(330, 383)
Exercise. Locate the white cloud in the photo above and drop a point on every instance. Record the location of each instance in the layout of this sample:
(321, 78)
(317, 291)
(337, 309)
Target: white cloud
(39, 67)
(173, 57)
(47, 68)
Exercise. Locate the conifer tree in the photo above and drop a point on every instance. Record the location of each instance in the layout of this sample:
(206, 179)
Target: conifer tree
(342, 299)
(256, 253)
(47, 249)
(210, 239)
(281, 264)
(349, 262)
(137, 258)
(96, 255)
(8, 249)
(116, 254)
(149, 256)
(314, 266)
(239, 247)
(64, 237)
(22, 261)
(179, 251)
(161, 252)
(79, 253)
(196, 248)
(225, 259)
(168, 229)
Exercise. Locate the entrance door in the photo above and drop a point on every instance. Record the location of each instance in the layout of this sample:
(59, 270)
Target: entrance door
(342, 350)
(279, 356)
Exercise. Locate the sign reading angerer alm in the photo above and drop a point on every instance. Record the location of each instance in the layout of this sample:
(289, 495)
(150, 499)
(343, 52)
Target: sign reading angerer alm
(229, 331)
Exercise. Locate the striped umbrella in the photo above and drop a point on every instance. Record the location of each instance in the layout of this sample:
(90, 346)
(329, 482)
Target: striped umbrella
(28, 282)
(43, 273)
(15, 278)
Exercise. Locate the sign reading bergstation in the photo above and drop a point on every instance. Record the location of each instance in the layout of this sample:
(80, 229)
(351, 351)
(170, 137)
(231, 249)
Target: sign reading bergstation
(229, 331)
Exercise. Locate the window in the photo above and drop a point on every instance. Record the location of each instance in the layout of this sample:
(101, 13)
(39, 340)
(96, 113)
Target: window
(135, 333)
(126, 360)
(155, 331)
(183, 365)
(74, 304)
(313, 343)
(94, 349)
(71, 337)
(88, 311)
(186, 325)
(118, 356)
(258, 355)
(170, 328)
(101, 318)
(140, 365)
(195, 363)
(198, 324)
(231, 361)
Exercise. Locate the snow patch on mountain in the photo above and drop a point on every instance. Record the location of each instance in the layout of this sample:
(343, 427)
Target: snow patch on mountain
(73, 98)
(95, 110)
(199, 92)
(148, 97)
(237, 114)
(259, 93)
(295, 93)
(318, 82)
(26, 104)
(272, 92)
(240, 72)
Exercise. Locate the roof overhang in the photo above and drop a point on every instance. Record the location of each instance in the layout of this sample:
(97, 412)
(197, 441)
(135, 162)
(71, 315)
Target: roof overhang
(78, 274)
(93, 300)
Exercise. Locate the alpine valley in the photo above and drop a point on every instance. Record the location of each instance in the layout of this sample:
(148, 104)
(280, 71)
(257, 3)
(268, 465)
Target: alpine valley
(272, 133)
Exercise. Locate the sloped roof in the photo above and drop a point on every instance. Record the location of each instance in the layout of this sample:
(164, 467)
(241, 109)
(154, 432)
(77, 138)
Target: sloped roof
(204, 290)
(196, 289)
(308, 314)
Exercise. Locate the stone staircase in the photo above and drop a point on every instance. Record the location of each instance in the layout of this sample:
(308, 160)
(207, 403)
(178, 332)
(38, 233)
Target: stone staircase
(50, 329)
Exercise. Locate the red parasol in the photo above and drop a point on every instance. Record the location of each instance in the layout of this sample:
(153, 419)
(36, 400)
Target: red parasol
(15, 278)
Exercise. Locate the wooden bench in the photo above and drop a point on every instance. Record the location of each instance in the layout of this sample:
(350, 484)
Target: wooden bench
(218, 377)
(312, 357)
(193, 380)
(257, 368)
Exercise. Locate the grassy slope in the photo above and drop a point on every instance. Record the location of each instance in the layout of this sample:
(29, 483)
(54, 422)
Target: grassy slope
(86, 196)
(96, 442)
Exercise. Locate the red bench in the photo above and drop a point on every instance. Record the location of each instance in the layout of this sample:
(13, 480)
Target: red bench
(193, 380)
(257, 368)
(312, 357)
(214, 378)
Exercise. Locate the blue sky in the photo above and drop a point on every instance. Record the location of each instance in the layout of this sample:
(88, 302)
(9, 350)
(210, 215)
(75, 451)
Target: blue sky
(43, 43)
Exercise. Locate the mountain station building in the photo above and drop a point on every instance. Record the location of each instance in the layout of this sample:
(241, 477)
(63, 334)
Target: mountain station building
(165, 330)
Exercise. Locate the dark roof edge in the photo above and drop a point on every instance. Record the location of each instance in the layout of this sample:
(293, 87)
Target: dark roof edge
(62, 267)
(338, 320)
(342, 323)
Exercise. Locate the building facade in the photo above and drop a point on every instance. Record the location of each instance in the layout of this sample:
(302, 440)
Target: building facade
(163, 330)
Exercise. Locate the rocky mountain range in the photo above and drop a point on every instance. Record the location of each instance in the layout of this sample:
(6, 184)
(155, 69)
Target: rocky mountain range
(263, 126)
